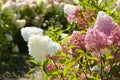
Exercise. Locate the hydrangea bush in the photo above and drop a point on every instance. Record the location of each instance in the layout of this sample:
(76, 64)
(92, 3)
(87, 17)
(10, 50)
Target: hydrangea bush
(68, 39)
(94, 55)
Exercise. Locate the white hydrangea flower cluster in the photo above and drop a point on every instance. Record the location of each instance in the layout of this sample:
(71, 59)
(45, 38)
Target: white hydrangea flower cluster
(7, 6)
(64, 35)
(10, 5)
(118, 5)
(70, 1)
(38, 44)
(68, 8)
(21, 23)
(16, 7)
(29, 1)
(19, 4)
(28, 31)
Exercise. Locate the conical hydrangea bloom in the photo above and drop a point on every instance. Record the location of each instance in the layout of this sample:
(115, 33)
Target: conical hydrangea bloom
(39, 46)
(74, 14)
(96, 40)
(80, 17)
(115, 37)
(77, 39)
(105, 23)
(28, 31)
(68, 8)
(99, 37)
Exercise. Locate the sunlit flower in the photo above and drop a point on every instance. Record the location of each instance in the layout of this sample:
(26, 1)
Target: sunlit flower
(38, 19)
(115, 37)
(96, 40)
(84, 76)
(21, 23)
(76, 1)
(118, 5)
(62, 66)
(68, 8)
(76, 16)
(70, 1)
(30, 1)
(28, 31)
(7, 6)
(98, 54)
(50, 67)
(107, 68)
(61, 7)
(56, 5)
(17, 6)
(73, 14)
(39, 46)
(64, 35)
(56, 59)
(105, 23)
(65, 49)
(77, 39)
(10, 5)
(16, 16)
(54, 47)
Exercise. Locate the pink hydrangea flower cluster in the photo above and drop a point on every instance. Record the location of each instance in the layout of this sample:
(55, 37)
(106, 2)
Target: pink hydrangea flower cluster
(74, 14)
(111, 35)
(105, 23)
(77, 39)
(80, 17)
(50, 67)
(101, 35)
(96, 40)
(104, 34)
(115, 37)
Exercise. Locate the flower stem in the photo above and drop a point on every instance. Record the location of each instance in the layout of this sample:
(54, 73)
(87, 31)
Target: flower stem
(85, 74)
(101, 64)
(57, 68)
(109, 77)
(83, 71)
(111, 66)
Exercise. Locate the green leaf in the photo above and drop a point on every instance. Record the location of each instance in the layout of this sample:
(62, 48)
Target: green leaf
(94, 58)
(66, 40)
(62, 61)
(34, 62)
(81, 59)
(71, 47)
(108, 53)
(110, 57)
(62, 54)
(74, 78)
(44, 65)
(80, 51)
(83, 31)
(66, 69)
(54, 72)
(31, 71)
